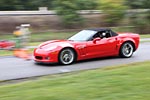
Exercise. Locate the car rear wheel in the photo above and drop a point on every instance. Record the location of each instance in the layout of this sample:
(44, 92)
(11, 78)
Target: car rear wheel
(66, 56)
(126, 50)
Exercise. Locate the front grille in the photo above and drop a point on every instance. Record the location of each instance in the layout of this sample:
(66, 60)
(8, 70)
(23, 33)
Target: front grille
(39, 57)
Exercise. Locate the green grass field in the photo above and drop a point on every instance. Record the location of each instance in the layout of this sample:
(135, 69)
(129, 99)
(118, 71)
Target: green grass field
(145, 36)
(126, 82)
(6, 53)
(37, 37)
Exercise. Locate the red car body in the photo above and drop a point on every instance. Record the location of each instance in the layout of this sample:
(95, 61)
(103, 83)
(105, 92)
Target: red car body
(49, 52)
(4, 44)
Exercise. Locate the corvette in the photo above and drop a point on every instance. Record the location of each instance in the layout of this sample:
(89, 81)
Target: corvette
(87, 44)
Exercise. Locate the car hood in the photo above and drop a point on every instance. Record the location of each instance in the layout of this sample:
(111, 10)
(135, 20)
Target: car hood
(55, 43)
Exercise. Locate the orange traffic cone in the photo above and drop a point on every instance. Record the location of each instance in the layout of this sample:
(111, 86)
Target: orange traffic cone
(22, 53)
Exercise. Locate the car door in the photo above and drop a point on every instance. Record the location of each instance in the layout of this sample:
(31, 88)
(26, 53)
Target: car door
(103, 47)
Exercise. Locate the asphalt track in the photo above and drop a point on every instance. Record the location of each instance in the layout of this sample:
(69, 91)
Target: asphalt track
(15, 68)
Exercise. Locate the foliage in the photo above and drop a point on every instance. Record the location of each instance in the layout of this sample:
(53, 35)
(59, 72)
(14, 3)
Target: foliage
(24, 4)
(86, 4)
(67, 10)
(138, 4)
(34, 4)
(140, 20)
(114, 11)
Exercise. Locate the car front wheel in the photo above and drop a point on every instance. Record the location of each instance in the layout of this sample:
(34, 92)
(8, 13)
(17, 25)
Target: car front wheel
(66, 56)
(126, 50)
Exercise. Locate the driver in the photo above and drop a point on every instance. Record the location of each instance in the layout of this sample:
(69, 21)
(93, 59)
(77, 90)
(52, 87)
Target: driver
(103, 35)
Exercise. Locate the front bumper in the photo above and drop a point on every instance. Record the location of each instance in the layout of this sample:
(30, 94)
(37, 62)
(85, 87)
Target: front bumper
(42, 56)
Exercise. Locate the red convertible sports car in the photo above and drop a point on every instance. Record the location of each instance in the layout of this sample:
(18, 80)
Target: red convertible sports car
(87, 44)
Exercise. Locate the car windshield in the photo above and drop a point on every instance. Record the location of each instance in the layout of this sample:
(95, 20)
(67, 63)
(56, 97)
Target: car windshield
(83, 35)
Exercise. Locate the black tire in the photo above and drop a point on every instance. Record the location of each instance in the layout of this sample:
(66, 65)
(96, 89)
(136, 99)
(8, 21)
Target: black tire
(126, 50)
(67, 56)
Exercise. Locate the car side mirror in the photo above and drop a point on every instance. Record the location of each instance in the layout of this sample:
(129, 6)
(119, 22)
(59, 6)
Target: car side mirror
(96, 39)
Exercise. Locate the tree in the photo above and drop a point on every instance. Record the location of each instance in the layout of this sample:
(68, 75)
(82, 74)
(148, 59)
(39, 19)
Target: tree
(114, 11)
(140, 20)
(138, 4)
(86, 4)
(24, 4)
(7, 4)
(67, 10)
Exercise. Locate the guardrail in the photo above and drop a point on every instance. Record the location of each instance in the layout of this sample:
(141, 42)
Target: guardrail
(11, 13)
(52, 12)
(45, 12)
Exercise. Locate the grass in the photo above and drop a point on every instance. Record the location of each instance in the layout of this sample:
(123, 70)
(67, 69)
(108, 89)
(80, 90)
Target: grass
(34, 43)
(10, 52)
(37, 37)
(127, 82)
(50, 36)
(145, 36)
(145, 41)
(6, 53)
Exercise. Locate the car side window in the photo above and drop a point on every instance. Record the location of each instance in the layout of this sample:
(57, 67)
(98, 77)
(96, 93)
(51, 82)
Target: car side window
(97, 35)
(102, 34)
(108, 34)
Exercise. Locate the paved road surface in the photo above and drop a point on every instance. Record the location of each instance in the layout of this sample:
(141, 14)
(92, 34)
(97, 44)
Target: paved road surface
(15, 68)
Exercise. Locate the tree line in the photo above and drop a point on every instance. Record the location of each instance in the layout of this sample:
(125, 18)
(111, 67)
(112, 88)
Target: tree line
(6, 5)
(114, 10)
(13, 5)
